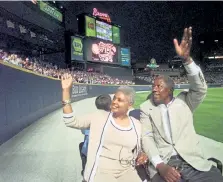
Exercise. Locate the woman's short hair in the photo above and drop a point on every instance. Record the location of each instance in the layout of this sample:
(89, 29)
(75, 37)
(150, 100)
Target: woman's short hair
(129, 92)
(103, 102)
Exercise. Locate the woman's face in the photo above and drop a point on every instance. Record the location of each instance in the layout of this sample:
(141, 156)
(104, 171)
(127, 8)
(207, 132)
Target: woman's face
(120, 103)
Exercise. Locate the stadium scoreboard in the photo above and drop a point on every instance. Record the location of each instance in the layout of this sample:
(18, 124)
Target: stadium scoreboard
(99, 26)
(101, 42)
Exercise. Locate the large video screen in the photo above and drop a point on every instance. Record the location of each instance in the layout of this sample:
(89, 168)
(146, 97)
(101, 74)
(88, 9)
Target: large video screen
(116, 35)
(103, 30)
(90, 29)
(76, 48)
(101, 51)
(125, 57)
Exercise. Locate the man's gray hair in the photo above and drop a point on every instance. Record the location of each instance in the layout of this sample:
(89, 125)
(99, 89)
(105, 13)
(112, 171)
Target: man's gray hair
(168, 81)
(129, 92)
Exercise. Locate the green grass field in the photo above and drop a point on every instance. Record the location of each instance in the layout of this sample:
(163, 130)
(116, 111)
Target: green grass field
(208, 117)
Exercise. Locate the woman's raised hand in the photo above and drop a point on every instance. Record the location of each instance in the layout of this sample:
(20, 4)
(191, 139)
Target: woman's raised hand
(66, 81)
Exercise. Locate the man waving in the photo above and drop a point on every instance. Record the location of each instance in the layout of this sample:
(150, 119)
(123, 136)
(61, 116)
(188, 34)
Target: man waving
(169, 138)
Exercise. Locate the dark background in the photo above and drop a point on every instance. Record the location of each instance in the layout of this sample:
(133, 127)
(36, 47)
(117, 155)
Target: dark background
(149, 27)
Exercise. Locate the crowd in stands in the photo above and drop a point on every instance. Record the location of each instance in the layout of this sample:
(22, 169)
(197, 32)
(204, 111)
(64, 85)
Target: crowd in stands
(167, 70)
(214, 77)
(217, 67)
(32, 64)
(180, 80)
(49, 69)
(177, 80)
(213, 72)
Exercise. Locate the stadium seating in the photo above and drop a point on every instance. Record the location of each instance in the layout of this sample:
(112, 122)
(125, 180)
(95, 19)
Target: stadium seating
(51, 70)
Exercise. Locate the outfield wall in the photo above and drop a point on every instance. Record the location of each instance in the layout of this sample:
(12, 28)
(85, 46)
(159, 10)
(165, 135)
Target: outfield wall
(26, 97)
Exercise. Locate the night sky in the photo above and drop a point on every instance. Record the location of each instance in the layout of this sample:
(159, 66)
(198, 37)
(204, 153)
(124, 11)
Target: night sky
(149, 27)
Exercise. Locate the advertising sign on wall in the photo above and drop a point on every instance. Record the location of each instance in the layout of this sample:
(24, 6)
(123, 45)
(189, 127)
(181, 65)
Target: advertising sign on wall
(116, 35)
(50, 11)
(125, 56)
(90, 28)
(76, 48)
(79, 90)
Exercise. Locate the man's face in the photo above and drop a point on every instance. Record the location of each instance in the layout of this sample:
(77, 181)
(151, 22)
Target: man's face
(160, 91)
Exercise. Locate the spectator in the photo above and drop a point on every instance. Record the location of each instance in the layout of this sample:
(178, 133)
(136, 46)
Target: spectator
(113, 136)
(168, 128)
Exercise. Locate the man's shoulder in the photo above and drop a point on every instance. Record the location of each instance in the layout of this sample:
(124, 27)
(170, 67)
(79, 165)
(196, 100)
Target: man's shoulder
(146, 104)
(182, 95)
(181, 100)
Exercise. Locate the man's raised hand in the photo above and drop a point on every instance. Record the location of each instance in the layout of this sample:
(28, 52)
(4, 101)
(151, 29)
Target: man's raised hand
(183, 48)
